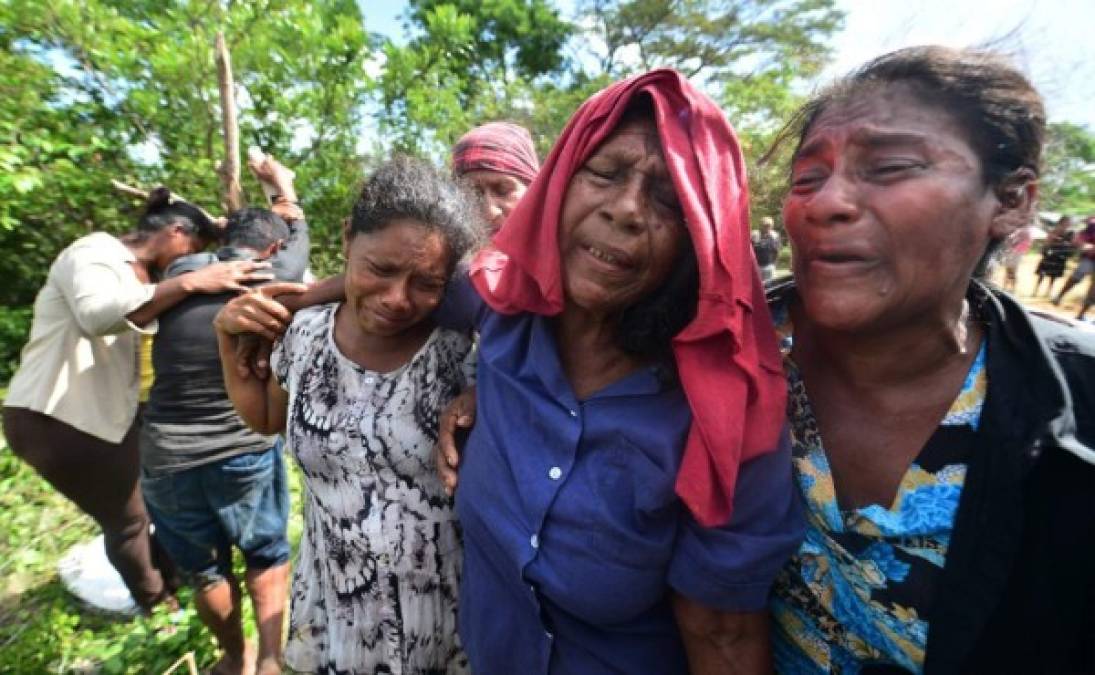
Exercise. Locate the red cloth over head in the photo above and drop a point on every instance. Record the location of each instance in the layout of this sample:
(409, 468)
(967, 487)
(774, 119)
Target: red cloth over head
(727, 357)
(497, 146)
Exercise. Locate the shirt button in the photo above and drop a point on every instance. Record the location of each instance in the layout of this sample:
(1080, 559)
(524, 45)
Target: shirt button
(548, 634)
(573, 413)
(555, 473)
(369, 380)
(534, 541)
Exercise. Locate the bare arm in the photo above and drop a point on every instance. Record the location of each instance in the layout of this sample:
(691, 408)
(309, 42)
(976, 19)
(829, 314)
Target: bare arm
(261, 404)
(723, 643)
(331, 289)
(215, 278)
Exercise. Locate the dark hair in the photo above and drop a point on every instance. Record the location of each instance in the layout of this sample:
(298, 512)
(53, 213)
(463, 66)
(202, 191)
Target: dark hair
(996, 106)
(409, 188)
(254, 228)
(646, 328)
(162, 209)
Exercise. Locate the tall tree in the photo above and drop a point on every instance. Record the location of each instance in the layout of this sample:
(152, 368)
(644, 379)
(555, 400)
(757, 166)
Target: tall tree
(1068, 180)
(750, 55)
(467, 62)
(139, 76)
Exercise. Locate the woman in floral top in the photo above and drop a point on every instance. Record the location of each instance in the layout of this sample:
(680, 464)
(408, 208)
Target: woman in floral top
(933, 430)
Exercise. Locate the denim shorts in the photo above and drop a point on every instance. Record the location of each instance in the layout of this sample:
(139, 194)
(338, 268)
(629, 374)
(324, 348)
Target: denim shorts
(201, 513)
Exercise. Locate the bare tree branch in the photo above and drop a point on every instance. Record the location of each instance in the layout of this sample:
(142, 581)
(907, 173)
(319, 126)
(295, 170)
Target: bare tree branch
(229, 170)
(143, 194)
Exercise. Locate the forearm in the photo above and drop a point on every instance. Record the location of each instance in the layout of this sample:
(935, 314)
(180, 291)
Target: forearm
(250, 396)
(723, 643)
(168, 293)
(331, 289)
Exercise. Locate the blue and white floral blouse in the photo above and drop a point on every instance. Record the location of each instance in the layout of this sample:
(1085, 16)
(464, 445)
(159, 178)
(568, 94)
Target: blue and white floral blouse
(857, 593)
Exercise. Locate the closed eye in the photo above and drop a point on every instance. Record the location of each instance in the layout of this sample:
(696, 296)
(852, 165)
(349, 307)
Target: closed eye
(601, 173)
(807, 181)
(381, 270)
(893, 170)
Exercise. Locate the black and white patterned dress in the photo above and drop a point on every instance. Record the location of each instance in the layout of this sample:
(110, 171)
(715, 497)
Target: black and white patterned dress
(375, 585)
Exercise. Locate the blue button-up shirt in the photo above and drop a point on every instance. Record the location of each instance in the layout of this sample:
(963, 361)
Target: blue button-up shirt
(573, 534)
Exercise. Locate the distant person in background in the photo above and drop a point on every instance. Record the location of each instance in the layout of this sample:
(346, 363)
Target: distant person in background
(1056, 250)
(1089, 300)
(498, 161)
(1085, 242)
(1018, 244)
(209, 482)
(72, 405)
(766, 246)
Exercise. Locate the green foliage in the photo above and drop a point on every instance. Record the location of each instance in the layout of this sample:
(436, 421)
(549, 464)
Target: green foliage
(14, 329)
(750, 55)
(1068, 178)
(44, 630)
(714, 39)
(467, 62)
(139, 74)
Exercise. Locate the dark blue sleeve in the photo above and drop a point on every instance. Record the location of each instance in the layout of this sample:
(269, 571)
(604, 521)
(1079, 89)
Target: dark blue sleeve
(462, 308)
(731, 568)
(292, 258)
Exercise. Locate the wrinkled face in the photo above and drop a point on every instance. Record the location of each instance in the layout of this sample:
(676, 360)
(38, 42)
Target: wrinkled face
(498, 194)
(621, 225)
(395, 277)
(888, 213)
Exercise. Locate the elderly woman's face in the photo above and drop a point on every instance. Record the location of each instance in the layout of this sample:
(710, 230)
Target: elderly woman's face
(621, 223)
(498, 194)
(887, 213)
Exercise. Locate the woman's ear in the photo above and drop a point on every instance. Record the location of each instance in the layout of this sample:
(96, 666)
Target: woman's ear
(345, 238)
(1017, 196)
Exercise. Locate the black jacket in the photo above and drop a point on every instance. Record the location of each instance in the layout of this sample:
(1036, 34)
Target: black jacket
(1017, 591)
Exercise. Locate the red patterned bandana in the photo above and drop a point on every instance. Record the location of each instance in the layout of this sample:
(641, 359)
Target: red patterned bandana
(497, 146)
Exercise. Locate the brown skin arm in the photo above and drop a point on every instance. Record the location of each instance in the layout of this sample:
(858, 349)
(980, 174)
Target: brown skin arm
(723, 643)
(261, 404)
(216, 278)
(458, 417)
(331, 289)
(263, 315)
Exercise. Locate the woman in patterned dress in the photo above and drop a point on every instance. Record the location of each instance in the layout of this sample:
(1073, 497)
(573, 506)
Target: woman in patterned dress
(941, 435)
(357, 389)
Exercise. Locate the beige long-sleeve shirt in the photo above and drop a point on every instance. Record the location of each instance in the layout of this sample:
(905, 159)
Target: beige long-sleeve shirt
(80, 365)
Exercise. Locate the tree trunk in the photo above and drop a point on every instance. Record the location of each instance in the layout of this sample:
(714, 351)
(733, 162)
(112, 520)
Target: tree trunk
(229, 169)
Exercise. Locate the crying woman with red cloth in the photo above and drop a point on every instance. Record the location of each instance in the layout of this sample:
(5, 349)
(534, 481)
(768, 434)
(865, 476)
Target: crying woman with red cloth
(625, 492)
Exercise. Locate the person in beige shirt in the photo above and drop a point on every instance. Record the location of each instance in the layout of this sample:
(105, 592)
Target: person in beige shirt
(71, 406)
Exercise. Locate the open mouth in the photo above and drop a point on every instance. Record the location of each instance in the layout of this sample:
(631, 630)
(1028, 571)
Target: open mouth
(611, 257)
